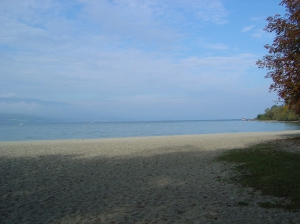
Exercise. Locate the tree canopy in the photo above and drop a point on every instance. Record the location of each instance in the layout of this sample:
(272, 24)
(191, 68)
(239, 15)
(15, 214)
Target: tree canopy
(283, 60)
(278, 113)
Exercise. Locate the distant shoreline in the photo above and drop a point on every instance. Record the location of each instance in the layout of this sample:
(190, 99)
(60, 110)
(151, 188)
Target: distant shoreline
(273, 121)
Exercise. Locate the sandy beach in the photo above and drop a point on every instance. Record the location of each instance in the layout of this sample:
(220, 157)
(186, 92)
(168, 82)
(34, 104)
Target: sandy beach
(170, 179)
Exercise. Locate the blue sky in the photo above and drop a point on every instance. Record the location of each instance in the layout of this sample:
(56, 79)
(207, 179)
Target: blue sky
(135, 59)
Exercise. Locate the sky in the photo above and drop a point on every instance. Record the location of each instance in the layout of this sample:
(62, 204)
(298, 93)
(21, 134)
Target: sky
(135, 60)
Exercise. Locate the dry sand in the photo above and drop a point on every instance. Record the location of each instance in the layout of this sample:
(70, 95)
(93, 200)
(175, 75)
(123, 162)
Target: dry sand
(171, 179)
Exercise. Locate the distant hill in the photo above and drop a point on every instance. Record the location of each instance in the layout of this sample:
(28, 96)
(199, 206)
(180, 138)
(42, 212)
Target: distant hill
(23, 118)
(37, 101)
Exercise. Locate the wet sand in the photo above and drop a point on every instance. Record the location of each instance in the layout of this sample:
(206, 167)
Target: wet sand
(169, 179)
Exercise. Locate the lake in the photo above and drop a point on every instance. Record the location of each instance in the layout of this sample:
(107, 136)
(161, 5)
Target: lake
(93, 130)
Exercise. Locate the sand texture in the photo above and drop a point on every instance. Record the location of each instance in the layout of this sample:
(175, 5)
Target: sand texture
(170, 179)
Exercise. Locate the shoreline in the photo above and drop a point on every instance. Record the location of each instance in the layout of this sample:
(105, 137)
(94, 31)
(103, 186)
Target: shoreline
(163, 179)
(287, 132)
(274, 121)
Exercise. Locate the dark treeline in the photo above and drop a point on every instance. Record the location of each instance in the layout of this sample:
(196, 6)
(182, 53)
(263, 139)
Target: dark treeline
(278, 113)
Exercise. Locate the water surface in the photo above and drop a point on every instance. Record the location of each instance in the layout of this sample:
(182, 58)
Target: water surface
(135, 129)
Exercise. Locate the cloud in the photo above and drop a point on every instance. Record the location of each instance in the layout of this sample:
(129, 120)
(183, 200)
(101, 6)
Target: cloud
(210, 104)
(121, 73)
(7, 95)
(130, 21)
(258, 19)
(212, 11)
(109, 54)
(257, 29)
(260, 33)
(154, 23)
(213, 46)
(148, 25)
(98, 62)
(256, 33)
(247, 28)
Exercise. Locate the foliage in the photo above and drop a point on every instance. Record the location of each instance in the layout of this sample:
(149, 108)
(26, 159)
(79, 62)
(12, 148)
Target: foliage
(278, 113)
(283, 60)
(272, 171)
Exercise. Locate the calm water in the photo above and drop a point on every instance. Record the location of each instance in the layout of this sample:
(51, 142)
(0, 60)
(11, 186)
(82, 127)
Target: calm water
(135, 129)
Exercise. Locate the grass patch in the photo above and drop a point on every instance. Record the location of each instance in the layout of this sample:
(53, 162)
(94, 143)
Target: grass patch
(243, 203)
(266, 168)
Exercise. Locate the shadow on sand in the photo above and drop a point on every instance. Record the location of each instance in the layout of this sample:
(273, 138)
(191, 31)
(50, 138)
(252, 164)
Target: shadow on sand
(171, 187)
(69, 188)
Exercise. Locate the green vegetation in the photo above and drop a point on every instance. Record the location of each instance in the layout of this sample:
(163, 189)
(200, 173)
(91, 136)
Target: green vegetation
(278, 113)
(268, 168)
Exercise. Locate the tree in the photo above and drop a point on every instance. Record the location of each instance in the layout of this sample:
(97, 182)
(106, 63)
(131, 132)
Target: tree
(279, 113)
(283, 60)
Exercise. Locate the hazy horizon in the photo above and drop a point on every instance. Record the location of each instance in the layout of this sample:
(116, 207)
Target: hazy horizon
(135, 60)
(16, 118)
